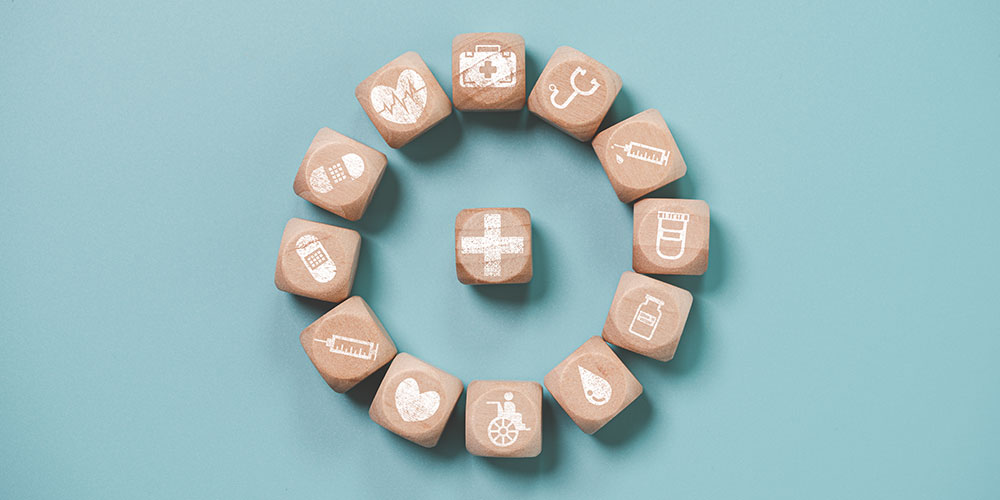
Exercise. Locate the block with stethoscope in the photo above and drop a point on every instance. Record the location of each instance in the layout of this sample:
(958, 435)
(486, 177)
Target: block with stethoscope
(574, 92)
(670, 236)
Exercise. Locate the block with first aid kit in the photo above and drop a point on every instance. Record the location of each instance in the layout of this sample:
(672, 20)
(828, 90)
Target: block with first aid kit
(487, 72)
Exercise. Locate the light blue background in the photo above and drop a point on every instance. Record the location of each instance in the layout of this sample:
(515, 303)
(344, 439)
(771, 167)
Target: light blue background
(843, 343)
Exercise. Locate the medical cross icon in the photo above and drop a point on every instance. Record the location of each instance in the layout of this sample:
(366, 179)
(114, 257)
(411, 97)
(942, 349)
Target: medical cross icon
(487, 69)
(492, 245)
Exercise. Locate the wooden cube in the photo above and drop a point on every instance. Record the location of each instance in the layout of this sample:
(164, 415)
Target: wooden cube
(339, 174)
(317, 260)
(493, 246)
(415, 400)
(647, 316)
(503, 418)
(592, 385)
(347, 344)
(487, 71)
(670, 236)
(639, 155)
(574, 92)
(403, 99)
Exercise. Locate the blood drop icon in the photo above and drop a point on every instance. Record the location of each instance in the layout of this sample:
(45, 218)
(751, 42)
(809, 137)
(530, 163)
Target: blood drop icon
(595, 389)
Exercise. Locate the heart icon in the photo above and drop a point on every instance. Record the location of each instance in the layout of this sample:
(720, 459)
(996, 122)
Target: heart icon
(405, 103)
(413, 405)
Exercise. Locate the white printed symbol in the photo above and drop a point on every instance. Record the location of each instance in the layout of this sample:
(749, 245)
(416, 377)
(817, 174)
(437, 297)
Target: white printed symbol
(576, 90)
(315, 258)
(505, 427)
(487, 66)
(405, 103)
(323, 178)
(648, 154)
(413, 405)
(671, 234)
(492, 245)
(361, 349)
(646, 318)
(595, 389)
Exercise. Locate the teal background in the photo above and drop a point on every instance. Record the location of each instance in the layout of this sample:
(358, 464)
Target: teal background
(843, 343)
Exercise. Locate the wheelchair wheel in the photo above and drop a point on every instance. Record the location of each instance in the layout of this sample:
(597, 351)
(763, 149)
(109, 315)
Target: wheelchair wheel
(502, 432)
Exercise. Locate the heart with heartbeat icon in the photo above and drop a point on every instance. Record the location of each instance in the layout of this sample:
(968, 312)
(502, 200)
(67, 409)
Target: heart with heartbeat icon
(403, 104)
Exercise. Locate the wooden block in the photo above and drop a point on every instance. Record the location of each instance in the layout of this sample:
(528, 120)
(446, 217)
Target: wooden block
(403, 99)
(347, 344)
(503, 418)
(317, 260)
(493, 246)
(415, 400)
(639, 155)
(339, 174)
(592, 385)
(487, 71)
(647, 316)
(574, 92)
(670, 236)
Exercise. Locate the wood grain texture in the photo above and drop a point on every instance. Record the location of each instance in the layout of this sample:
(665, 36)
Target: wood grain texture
(647, 316)
(473, 229)
(317, 260)
(639, 155)
(553, 99)
(491, 431)
(487, 72)
(670, 236)
(326, 177)
(412, 372)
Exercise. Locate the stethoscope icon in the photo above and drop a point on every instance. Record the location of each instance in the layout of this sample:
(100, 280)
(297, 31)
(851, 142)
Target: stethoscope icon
(576, 90)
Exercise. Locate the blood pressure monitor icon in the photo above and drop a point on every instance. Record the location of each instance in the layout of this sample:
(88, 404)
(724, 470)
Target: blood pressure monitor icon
(487, 66)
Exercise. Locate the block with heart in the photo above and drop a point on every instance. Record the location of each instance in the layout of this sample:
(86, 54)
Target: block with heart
(639, 155)
(503, 418)
(647, 316)
(339, 174)
(670, 236)
(493, 246)
(317, 260)
(403, 99)
(415, 400)
(347, 344)
(592, 385)
(574, 92)
(487, 71)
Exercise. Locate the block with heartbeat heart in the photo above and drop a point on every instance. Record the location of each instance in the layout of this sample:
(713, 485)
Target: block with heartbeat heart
(493, 246)
(403, 99)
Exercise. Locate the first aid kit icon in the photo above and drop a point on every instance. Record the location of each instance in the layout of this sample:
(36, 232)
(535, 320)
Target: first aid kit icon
(488, 66)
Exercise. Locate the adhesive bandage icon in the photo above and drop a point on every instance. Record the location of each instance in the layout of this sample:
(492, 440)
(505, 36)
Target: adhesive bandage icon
(491, 245)
(671, 234)
(508, 424)
(595, 388)
(347, 346)
(646, 318)
(350, 166)
(315, 258)
(643, 152)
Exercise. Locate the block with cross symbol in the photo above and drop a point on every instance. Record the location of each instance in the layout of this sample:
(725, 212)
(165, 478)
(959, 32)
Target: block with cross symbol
(487, 72)
(339, 174)
(403, 100)
(574, 92)
(493, 246)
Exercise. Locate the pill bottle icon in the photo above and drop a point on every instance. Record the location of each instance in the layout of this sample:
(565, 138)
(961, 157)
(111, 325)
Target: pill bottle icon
(315, 258)
(646, 318)
(671, 234)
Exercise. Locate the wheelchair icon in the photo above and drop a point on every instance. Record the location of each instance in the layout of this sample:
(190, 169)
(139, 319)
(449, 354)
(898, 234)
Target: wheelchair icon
(505, 427)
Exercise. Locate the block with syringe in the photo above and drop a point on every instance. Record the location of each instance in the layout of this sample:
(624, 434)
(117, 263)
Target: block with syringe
(639, 155)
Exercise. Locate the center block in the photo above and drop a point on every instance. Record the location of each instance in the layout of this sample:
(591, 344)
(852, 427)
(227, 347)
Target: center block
(493, 246)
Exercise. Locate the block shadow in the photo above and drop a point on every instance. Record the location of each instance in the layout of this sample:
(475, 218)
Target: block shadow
(434, 144)
(541, 267)
(628, 425)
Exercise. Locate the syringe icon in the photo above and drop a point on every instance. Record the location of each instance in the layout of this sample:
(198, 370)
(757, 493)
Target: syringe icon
(644, 152)
(361, 349)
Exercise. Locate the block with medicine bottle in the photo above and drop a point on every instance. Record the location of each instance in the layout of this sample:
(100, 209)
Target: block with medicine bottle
(647, 316)
(670, 236)
(639, 155)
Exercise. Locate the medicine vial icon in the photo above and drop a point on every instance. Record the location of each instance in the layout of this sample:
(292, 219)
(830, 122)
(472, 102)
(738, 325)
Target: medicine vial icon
(646, 318)
(315, 258)
(487, 66)
(347, 346)
(671, 234)
(508, 424)
(492, 245)
(595, 389)
(350, 166)
(642, 152)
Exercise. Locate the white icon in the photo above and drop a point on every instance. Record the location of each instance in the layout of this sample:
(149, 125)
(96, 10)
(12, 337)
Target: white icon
(413, 405)
(487, 66)
(402, 104)
(492, 245)
(595, 389)
(505, 427)
(323, 178)
(315, 258)
(670, 238)
(648, 154)
(361, 349)
(647, 318)
(576, 90)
